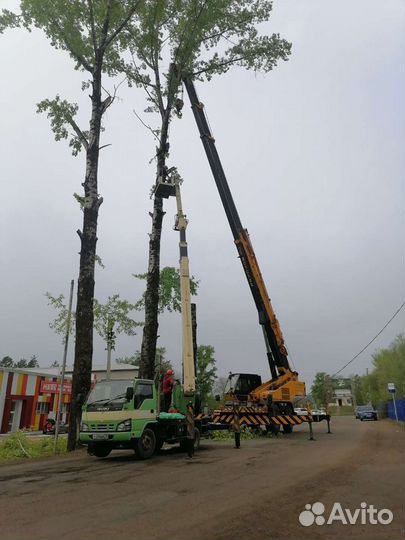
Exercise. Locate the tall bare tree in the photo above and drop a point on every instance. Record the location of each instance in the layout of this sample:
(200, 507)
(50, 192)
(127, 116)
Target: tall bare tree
(198, 38)
(90, 31)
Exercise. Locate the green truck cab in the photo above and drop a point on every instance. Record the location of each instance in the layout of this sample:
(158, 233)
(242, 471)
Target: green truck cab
(126, 414)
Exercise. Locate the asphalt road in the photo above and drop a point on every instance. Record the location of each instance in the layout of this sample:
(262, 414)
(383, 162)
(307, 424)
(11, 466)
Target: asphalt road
(257, 492)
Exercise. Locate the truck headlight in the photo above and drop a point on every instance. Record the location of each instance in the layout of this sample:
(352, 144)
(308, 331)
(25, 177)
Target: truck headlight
(84, 427)
(125, 425)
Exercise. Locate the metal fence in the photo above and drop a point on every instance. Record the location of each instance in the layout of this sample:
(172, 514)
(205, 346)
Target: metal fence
(400, 403)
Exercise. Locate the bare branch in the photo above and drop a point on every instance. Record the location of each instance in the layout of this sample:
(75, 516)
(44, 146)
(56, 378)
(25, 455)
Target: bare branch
(104, 146)
(122, 25)
(78, 131)
(146, 125)
(216, 66)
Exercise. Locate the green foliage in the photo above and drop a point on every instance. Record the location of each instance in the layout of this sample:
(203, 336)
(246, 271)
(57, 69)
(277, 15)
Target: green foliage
(6, 361)
(246, 433)
(358, 390)
(90, 32)
(206, 371)
(81, 28)
(389, 367)
(131, 360)
(169, 290)
(322, 389)
(161, 362)
(61, 115)
(59, 324)
(8, 19)
(18, 445)
(201, 38)
(115, 312)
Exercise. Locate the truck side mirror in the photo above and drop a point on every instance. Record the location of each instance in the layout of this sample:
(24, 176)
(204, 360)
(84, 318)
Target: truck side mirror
(129, 394)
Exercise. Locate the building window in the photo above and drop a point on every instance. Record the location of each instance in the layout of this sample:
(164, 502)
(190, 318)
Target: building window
(42, 407)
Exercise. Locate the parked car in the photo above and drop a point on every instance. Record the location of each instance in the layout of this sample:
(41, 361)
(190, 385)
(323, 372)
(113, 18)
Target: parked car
(301, 411)
(318, 412)
(49, 427)
(366, 412)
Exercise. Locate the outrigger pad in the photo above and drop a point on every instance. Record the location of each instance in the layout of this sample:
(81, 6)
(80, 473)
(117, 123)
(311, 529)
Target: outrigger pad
(165, 189)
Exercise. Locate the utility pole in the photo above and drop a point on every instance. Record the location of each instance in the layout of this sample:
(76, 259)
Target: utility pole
(62, 377)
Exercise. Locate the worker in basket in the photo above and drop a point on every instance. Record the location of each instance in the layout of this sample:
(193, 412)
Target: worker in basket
(168, 383)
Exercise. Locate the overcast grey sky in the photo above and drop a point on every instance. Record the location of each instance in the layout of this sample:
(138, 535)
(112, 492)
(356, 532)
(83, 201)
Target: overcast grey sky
(314, 156)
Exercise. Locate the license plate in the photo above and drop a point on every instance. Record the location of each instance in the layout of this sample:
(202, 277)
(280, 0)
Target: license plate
(100, 436)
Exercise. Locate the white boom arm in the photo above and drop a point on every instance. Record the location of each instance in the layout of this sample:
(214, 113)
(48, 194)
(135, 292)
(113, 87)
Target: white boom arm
(188, 351)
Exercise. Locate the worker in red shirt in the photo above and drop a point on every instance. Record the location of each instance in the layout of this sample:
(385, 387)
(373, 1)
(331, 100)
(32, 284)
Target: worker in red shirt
(168, 383)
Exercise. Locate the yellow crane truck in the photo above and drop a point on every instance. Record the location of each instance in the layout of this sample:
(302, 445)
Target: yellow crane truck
(271, 403)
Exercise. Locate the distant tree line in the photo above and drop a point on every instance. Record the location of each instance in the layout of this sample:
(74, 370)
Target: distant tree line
(388, 367)
(8, 362)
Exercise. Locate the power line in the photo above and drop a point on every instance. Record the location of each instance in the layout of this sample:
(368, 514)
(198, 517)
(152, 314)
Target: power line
(370, 342)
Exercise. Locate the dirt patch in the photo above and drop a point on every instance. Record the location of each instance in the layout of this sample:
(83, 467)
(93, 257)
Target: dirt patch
(257, 492)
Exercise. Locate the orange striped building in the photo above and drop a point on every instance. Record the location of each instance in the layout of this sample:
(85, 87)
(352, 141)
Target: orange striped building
(27, 398)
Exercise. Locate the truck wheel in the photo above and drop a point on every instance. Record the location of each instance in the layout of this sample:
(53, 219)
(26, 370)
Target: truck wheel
(146, 445)
(287, 428)
(100, 450)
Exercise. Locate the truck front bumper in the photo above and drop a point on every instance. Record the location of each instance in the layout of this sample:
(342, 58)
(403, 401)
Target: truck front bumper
(117, 437)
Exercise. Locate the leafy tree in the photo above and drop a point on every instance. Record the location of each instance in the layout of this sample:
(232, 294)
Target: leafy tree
(169, 290)
(131, 360)
(55, 363)
(33, 362)
(59, 324)
(322, 389)
(6, 361)
(206, 371)
(114, 316)
(161, 363)
(22, 363)
(389, 367)
(358, 390)
(197, 38)
(91, 33)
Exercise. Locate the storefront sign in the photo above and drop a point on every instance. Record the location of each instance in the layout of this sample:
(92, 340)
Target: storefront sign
(54, 387)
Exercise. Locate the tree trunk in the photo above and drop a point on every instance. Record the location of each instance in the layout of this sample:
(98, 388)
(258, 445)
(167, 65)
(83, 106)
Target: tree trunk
(85, 293)
(150, 330)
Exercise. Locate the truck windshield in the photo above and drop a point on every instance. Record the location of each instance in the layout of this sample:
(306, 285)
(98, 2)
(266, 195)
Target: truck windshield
(105, 391)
